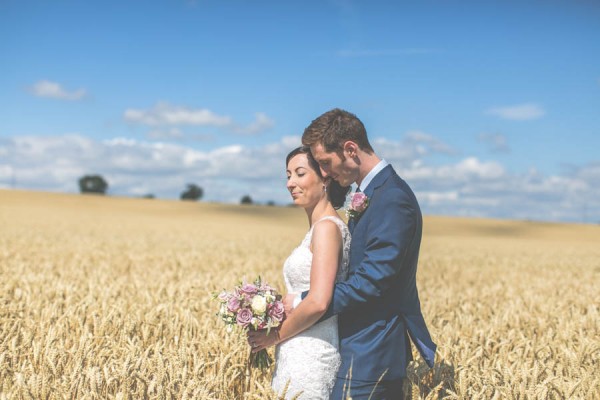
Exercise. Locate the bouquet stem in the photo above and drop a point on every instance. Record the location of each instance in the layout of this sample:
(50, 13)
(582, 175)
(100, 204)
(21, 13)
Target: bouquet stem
(260, 360)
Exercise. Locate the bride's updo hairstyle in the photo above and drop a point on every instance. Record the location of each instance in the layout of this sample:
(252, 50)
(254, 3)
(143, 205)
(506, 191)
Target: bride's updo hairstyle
(336, 193)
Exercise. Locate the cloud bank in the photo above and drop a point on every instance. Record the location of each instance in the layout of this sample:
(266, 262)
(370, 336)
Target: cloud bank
(467, 186)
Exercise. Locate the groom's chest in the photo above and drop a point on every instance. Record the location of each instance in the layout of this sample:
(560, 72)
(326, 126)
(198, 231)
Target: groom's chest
(364, 230)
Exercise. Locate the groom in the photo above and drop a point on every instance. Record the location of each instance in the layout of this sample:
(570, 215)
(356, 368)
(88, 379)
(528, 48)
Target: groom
(378, 305)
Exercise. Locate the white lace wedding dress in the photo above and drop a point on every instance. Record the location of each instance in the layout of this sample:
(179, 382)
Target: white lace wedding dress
(310, 360)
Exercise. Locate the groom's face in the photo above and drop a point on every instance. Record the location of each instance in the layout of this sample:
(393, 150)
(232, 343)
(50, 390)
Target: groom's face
(344, 171)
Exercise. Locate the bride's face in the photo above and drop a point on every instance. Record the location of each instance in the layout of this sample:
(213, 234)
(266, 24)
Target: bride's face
(305, 186)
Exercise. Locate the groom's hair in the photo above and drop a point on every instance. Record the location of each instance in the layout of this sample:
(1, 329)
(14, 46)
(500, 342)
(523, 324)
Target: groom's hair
(333, 128)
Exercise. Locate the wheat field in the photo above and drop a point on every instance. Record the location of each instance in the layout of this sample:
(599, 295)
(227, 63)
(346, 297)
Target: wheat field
(110, 298)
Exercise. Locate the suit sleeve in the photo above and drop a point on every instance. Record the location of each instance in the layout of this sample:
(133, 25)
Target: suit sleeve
(390, 233)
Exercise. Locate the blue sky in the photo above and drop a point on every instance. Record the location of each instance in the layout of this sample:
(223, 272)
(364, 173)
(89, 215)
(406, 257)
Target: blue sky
(485, 108)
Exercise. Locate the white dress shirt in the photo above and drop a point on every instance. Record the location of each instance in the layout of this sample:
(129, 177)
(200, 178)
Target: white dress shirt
(376, 169)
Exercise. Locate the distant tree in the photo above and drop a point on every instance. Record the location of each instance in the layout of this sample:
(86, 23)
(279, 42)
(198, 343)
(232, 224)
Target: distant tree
(270, 203)
(148, 196)
(193, 192)
(246, 200)
(93, 184)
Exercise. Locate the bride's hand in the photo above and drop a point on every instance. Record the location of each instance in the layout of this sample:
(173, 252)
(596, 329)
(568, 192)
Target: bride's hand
(260, 340)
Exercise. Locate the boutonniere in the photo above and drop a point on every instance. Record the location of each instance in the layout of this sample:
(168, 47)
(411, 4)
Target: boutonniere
(358, 204)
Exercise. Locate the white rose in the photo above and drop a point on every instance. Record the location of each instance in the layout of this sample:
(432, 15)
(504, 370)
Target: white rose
(259, 304)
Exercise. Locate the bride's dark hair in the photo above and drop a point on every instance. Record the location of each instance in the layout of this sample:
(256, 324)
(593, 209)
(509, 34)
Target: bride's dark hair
(336, 192)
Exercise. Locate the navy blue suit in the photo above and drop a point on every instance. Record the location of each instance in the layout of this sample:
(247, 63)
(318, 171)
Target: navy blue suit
(378, 305)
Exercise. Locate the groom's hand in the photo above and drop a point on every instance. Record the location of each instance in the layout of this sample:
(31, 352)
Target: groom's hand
(288, 303)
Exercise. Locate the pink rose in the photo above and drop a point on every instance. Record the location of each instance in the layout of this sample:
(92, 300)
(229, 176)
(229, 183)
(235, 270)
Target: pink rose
(244, 317)
(249, 288)
(277, 311)
(233, 304)
(224, 297)
(359, 202)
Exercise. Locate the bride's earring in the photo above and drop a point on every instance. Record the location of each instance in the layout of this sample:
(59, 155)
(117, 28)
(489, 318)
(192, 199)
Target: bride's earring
(325, 188)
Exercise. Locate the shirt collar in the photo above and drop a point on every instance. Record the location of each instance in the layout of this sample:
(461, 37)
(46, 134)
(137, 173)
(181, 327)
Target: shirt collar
(376, 169)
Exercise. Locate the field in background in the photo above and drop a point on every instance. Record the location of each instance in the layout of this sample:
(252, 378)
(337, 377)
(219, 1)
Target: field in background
(111, 298)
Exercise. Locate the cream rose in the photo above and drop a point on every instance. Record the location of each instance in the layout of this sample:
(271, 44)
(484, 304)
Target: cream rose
(259, 304)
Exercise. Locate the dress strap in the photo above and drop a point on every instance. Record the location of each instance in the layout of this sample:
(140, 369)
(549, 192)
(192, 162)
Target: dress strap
(330, 217)
(337, 220)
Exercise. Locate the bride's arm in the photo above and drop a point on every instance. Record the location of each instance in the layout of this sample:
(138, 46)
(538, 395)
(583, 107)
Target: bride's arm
(325, 247)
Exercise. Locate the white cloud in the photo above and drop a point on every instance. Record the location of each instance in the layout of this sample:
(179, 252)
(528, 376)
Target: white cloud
(519, 112)
(177, 134)
(438, 197)
(591, 173)
(166, 115)
(172, 133)
(414, 145)
(467, 186)
(56, 91)
(291, 142)
(262, 123)
(434, 144)
(459, 177)
(470, 169)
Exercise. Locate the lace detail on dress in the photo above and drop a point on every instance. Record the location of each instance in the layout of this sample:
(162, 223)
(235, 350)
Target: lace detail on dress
(309, 361)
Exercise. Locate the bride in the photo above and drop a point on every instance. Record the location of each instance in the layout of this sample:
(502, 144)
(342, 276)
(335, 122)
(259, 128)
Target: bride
(307, 356)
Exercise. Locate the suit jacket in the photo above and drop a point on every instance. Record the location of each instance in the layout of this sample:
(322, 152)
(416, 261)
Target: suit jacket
(378, 305)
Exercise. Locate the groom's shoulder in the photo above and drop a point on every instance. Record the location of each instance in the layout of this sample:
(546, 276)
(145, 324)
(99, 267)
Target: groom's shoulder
(395, 188)
(391, 179)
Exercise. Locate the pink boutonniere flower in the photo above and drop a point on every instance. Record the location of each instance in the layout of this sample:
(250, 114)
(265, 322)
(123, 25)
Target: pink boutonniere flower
(358, 204)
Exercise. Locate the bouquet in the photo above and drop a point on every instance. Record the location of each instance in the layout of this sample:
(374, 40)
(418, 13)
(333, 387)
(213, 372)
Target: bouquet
(252, 306)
